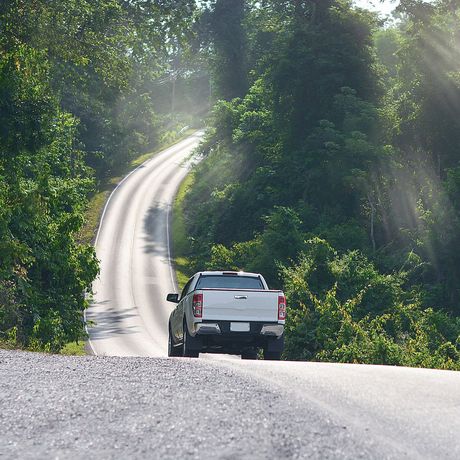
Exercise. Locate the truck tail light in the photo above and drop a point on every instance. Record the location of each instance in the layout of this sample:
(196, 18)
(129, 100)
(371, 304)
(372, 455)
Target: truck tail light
(281, 308)
(197, 305)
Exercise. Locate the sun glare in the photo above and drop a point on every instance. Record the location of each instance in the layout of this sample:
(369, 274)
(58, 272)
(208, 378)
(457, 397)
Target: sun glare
(384, 8)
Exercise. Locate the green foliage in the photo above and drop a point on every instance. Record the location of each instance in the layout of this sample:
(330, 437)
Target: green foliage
(223, 22)
(43, 272)
(345, 139)
(422, 110)
(76, 101)
(341, 309)
(253, 142)
(181, 245)
(104, 56)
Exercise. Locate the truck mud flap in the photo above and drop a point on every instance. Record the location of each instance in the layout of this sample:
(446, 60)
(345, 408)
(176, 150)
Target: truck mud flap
(276, 344)
(194, 343)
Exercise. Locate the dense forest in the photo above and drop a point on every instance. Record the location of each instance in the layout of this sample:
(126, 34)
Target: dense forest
(330, 163)
(85, 86)
(332, 166)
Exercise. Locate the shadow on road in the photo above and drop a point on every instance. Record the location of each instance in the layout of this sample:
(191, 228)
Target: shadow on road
(155, 231)
(110, 322)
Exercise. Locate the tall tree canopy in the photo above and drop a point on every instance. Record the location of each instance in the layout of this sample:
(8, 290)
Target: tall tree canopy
(76, 102)
(223, 31)
(336, 175)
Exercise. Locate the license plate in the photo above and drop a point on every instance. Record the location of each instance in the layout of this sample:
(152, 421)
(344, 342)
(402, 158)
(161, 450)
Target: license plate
(239, 327)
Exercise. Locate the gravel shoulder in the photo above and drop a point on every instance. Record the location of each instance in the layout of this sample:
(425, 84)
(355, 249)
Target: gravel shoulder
(107, 407)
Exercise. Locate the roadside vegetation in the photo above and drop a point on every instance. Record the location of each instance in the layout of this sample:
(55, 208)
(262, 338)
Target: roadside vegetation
(86, 88)
(332, 167)
(74, 349)
(181, 245)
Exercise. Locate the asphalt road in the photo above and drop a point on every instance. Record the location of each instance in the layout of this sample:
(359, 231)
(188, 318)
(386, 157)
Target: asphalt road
(130, 401)
(129, 311)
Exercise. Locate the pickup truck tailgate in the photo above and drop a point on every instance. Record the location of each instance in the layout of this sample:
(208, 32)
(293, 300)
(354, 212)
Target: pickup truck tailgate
(236, 305)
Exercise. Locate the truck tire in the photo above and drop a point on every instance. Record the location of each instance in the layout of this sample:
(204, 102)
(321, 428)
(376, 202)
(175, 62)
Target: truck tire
(249, 354)
(187, 352)
(172, 350)
(272, 355)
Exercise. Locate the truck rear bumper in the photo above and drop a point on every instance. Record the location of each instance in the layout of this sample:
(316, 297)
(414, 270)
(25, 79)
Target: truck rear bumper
(224, 327)
(217, 336)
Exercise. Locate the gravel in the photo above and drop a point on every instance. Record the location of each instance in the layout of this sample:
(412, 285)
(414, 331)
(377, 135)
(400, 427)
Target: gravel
(109, 407)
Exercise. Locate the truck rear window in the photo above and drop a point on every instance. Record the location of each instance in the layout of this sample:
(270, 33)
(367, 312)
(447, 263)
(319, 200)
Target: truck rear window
(229, 282)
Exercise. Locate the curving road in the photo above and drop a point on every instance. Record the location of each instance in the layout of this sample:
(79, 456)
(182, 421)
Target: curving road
(129, 311)
(235, 408)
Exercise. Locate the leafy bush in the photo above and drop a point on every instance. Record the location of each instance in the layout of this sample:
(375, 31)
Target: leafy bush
(341, 309)
(43, 270)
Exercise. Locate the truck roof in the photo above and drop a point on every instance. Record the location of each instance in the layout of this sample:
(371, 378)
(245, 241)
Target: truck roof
(229, 272)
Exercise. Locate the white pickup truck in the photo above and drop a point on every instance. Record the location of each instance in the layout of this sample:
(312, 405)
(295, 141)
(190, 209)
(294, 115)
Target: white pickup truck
(227, 312)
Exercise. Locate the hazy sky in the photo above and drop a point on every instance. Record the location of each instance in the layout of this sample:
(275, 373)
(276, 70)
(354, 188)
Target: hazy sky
(385, 8)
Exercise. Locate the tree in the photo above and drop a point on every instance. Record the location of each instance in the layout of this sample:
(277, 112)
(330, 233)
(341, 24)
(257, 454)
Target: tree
(348, 152)
(66, 68)
(229, 56)
(43, 271)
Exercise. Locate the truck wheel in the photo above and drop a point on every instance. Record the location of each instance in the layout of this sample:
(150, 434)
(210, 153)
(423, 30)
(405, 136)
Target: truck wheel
(272, 355)
(249, 354)
(186, 351)
(172, 350)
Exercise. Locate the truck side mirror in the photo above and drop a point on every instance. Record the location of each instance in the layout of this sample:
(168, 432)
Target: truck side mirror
(173, 298)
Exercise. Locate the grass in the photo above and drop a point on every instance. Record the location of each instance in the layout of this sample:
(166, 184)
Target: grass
(70, 349)
(93, 214)
(74, 349)
(180, 243)
(6, 345)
